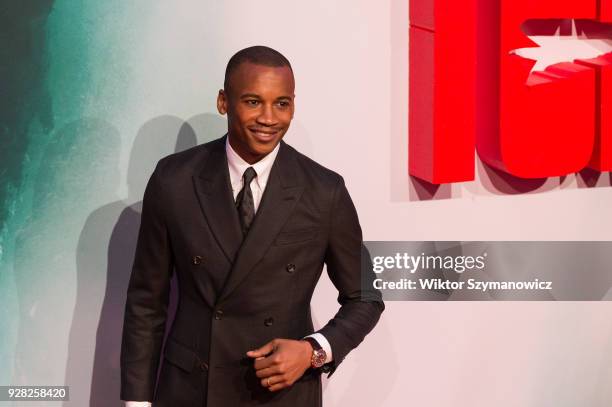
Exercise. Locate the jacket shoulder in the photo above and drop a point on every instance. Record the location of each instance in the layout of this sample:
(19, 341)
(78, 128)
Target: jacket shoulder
(187, 162)
(314, 172)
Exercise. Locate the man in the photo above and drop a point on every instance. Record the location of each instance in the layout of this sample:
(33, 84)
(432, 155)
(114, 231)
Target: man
(247, 223)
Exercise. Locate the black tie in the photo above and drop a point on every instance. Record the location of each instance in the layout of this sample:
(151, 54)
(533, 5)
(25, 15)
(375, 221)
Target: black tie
(244, 201)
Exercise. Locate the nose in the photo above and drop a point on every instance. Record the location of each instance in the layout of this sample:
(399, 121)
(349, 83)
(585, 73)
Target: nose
(267, 117)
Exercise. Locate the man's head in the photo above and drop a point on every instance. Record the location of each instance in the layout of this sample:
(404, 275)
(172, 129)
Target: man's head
(258, 98)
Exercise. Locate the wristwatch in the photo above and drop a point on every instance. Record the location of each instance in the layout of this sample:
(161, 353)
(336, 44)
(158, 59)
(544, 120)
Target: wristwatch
(318, 354)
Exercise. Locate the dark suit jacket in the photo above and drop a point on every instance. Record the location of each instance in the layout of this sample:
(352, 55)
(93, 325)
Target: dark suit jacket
(236, 295)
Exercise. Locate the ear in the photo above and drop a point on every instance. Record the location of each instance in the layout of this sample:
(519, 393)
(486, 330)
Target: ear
(222, 102)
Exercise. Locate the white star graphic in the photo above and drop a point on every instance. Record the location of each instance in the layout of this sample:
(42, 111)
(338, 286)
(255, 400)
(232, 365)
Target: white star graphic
(558, 48)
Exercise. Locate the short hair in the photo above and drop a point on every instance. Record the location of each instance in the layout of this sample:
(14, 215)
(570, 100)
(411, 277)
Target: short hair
(258, 54)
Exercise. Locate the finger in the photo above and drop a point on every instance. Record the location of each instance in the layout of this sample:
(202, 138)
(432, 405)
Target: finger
(262, 351)
(278, 386)
(262, 363)
(267, 372)
(272, 381)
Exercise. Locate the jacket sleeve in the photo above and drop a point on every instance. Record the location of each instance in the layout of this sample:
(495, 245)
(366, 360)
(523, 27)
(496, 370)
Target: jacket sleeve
(349, 267)
(147, 298)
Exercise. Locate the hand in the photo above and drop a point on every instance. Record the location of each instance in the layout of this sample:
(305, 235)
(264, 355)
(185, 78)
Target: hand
(281, 362)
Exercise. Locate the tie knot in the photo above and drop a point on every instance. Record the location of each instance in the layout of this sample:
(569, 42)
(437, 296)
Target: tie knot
(248, 175)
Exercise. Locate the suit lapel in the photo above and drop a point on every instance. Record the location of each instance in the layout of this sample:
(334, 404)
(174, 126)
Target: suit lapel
(280, 197)
(214, 192)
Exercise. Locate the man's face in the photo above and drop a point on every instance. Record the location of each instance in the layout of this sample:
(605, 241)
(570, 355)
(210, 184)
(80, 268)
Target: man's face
(259, 107)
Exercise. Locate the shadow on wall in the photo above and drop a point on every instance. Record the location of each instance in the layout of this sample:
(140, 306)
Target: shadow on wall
(496, 182)
(106, 247)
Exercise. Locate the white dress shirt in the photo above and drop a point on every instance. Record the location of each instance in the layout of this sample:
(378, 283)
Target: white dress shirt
(237, 167)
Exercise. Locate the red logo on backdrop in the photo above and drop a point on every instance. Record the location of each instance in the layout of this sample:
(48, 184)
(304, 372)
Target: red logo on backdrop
(469, 90)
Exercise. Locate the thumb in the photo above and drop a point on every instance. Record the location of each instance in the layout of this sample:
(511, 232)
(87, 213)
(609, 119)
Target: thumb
(262, 351)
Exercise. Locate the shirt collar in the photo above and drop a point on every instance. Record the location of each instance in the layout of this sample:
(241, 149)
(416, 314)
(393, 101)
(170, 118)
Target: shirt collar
(237, 166)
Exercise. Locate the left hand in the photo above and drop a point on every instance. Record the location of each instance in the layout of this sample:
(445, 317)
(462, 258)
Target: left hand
(281, 362)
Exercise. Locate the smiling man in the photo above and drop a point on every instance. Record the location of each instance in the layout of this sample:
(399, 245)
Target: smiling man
(247, 223)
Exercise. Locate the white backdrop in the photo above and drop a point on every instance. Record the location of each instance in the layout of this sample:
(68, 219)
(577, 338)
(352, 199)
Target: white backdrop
(351, 63)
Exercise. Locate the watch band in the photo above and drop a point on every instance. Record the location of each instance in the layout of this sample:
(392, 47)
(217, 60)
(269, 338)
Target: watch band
(313, 342)
(319, 355)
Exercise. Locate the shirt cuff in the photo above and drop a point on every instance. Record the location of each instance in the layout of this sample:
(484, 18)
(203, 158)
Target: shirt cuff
(137, 404)
(324, 344)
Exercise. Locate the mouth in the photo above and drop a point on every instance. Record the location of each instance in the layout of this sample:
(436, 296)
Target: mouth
(264, 134)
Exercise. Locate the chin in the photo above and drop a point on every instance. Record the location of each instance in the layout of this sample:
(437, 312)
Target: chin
(263, 147)
(263, 150)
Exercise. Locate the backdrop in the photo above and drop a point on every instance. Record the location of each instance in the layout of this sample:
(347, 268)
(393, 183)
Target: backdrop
(94, 93)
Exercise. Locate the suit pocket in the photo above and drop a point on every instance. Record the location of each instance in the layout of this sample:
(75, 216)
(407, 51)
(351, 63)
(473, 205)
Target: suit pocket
(180, 384)
(180, 355)
(295, 236)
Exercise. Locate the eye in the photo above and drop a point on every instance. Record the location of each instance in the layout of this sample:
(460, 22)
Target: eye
(252, 102)
(283, 104)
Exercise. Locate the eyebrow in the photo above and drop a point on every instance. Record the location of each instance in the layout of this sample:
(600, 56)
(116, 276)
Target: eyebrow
(254, 96)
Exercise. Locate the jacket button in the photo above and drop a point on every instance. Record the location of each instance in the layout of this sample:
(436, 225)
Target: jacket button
(290, 268)
(218, 314)
(197, 260)
(269, 321)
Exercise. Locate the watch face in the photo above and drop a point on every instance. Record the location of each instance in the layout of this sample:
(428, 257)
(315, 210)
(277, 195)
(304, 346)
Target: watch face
(318, 358)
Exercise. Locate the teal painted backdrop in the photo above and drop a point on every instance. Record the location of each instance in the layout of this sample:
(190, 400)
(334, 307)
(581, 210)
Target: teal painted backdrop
(60, 156)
